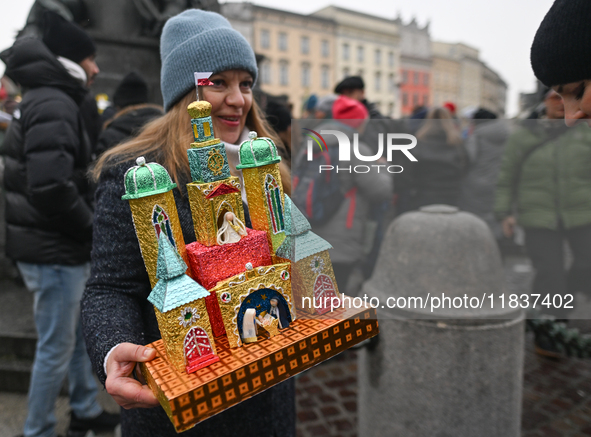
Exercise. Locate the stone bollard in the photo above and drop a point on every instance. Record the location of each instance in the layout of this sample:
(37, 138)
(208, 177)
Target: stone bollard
(453, 373)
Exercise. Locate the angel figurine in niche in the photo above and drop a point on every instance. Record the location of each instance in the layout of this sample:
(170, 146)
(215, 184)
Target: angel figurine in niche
(232, 229)
(249, 326)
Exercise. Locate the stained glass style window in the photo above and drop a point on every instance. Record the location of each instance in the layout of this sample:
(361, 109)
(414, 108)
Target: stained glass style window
(161, 223)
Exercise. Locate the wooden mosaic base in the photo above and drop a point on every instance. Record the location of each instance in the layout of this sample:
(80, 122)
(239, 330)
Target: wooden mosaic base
(243, 372)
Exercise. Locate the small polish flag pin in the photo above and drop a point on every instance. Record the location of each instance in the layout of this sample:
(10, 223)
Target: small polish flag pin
(202, 79)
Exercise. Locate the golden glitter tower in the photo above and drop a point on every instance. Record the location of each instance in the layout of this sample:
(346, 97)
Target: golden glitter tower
(148, 188)
(213, 191)
(259, 162)
(182, 316)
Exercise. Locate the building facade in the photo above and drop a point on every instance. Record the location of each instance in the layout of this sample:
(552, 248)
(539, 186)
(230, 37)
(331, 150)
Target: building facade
(494, 91)
(297, 51)
(369, 47)
(459, 76)
(415, 65)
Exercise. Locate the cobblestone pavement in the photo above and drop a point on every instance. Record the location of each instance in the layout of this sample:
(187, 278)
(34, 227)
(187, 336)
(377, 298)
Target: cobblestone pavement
(556, 394)
(556, 397)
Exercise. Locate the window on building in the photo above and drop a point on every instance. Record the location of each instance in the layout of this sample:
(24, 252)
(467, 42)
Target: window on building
(378, 56)
(283, 41)
(405, 77)
(391, 59)
(266, 73)
(425, 79)
(305, 74)
(416, 78)
(391, 82)
(415, 100)
(325, 77)
(324, 49)
(345, 72)
(284, 73)
(305, 45)
(378, 81)
(391, 109)
(360, 54)
(265, 39)
(346, 52)
(360, 73)
(404, 99)
(426, 99)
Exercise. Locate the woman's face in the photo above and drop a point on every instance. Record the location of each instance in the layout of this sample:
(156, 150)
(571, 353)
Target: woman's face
(577, 101)
(231, 99)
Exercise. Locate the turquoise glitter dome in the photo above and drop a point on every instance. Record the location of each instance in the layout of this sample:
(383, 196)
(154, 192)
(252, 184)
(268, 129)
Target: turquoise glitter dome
(146, 180)
(256, 152)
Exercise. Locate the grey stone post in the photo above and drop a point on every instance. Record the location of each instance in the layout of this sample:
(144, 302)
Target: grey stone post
(457, 373)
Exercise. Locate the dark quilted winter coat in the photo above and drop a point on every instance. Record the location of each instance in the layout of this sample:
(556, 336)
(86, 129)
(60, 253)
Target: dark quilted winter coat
(126, 123)
(47, 153)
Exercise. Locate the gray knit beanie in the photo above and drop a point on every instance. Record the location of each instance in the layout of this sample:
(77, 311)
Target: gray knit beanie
(199, 41)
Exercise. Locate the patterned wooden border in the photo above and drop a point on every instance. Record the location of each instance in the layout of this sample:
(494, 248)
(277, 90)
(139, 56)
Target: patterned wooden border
(243, 372)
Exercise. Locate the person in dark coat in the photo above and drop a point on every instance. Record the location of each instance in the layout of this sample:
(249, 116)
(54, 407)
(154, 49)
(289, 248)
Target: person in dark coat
(441, 162)
(118, 319)
(279, 117)
(133, 112)
(485, 150)
(354, 88)
(49, 215)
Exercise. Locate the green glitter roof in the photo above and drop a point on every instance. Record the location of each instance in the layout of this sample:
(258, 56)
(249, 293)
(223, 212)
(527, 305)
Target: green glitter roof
(174, 288)
(295, 222)
(146, 180)
(170, 264)
(300, 242)
(256, 152)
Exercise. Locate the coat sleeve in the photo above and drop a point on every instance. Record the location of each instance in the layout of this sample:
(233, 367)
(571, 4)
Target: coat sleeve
(52, 145)
(114, 305)
(505, 191)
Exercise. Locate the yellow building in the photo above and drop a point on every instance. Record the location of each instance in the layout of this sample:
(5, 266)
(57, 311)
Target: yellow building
(298, 51)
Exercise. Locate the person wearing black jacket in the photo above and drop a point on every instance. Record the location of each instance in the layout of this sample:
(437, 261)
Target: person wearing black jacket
(49, 215)
(132, 112)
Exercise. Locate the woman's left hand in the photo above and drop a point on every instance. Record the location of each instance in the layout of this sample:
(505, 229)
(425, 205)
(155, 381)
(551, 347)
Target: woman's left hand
(127, 391)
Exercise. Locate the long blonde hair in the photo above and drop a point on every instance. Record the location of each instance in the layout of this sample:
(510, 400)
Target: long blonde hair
(167, 139)
(439, 120)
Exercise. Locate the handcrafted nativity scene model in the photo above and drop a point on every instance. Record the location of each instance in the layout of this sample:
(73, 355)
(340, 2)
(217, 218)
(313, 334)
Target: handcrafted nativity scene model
(232, 286)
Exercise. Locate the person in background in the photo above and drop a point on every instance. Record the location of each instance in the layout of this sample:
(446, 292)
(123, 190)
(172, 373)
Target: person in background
(346, 229)
(118, 319)
(49, 216)
(545, 186)
(310, 106)
(485, 150)
(354, 88)
(451, 107)
(323, 108)
(132, 112)
(441, 164)
(279, 118)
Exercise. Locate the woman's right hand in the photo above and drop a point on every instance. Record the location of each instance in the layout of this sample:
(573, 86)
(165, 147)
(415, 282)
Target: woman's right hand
(120, 384)
(509, 224)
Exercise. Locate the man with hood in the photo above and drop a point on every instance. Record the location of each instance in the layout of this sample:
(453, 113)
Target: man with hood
(49, 215)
